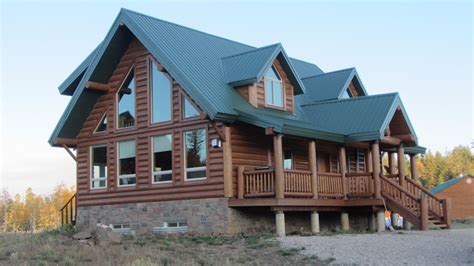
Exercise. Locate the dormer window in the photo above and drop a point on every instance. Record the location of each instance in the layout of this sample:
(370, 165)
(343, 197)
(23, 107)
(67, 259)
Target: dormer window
(273, 88)
(347, 94)
(126, 102)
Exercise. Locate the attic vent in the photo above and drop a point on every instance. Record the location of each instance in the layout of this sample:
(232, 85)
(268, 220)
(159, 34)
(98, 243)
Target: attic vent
(123, 229)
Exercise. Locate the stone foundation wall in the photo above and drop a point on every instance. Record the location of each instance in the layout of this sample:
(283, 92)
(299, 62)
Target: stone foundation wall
(208, 217)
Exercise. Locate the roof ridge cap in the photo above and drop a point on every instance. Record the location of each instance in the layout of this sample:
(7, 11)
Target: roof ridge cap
(188, 28)
(332, 72)
(359, 98)
(252, 51)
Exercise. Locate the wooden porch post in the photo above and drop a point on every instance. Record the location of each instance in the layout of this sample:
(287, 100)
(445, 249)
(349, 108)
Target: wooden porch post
(376, 172)
(227, 154)
(368, 155)
(414, 172)
(278, 153)
(313, 168)
(401, 165)
(342, 166)
(240, 182)
(424, 213)
(391, 163)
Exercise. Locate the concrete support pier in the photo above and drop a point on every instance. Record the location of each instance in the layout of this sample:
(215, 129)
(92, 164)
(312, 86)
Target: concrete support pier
(372, 222)
(380, 221)
(345, 221)
(315, 222)
(280, 223)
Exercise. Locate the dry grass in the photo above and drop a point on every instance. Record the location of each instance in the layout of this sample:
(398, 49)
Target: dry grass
(58, 248)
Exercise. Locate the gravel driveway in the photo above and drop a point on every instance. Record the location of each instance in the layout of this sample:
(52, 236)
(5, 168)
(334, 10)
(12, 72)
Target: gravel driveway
(436, 247)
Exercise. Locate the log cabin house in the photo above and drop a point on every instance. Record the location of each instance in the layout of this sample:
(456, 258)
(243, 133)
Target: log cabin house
(177, 130)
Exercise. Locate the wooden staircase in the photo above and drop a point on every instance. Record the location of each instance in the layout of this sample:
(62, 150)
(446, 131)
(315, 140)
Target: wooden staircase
(416, 204)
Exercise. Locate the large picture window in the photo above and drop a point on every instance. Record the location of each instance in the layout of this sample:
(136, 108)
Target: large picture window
(98, 166)
(162, 159)
(161, 87)
(273, 88)
(126, 102)
(195, 154)
(126, 163)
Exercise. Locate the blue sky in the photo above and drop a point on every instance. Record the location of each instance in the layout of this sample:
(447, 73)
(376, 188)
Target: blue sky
(421, 49)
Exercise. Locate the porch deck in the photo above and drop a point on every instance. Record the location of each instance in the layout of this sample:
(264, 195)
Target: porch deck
(302, 190)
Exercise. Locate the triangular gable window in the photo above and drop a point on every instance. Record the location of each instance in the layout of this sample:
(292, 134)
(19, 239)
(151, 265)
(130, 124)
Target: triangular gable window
(188, 109)
(102, 126)
(126, 102)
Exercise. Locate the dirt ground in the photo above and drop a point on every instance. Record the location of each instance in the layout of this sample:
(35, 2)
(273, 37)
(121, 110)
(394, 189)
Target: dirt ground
(58, 248)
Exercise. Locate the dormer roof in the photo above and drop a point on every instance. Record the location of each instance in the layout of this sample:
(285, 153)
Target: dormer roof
(250, 67)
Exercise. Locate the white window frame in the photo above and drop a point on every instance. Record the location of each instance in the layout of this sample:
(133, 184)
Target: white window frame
(194, 169)
(271, 80)
(118, 164)
(132, 68)
(153, 173)
(92, 178)
(106, 124)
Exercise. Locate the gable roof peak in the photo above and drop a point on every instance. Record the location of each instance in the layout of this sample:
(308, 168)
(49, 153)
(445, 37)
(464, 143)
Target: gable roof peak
(350, 69)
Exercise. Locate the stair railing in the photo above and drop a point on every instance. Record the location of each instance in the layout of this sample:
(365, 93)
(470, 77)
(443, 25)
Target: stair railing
(69, 211)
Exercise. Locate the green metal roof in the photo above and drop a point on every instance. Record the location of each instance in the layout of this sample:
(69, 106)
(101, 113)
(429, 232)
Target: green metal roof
(204, 64)
(331, 85)
(249, 67)
(359, 118)
(448, 183)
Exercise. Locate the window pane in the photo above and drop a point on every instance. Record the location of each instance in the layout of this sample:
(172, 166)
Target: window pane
(127, 181)
(99, 161)
(272, 74)
(127, 157)
(268, 91)
(196, 174)
(189, 110)
(195, 148)
(161, 95)
(102, 124)
(277, 94)
(126, 102)
(195, 153)
(346, 94)
(288, 160)
(162, 158)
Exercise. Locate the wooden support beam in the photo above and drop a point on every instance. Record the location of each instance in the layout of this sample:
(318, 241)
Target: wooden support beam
(227, 154)
(90, 85)
(405, 137)
(424, 213)
(414, 171)
(391, 141)
(269, 131)
(313, 167)
(358, 145)
(68, 142)
(240, 182)
(391, 163)
(343, 168)
(401, 165)
(219, 132)
(73, 156)
(278, 153)
(376, 170)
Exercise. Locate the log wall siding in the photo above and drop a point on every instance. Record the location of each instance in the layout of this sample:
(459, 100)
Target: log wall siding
(138, 57)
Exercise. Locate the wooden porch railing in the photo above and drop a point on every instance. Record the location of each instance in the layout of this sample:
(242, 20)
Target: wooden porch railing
(360, 184)
(395, 178)
(436, 206)
(258, 183)
(330, 185)
(297, 183)
(69, 211)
